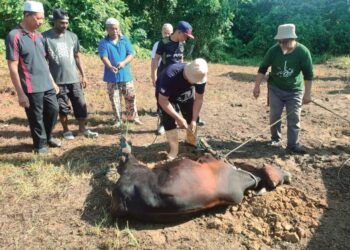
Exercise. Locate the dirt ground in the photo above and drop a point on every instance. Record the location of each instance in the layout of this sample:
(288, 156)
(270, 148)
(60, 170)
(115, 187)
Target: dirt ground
(62, 201)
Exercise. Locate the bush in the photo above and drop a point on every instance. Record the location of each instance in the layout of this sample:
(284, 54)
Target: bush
(141, 53)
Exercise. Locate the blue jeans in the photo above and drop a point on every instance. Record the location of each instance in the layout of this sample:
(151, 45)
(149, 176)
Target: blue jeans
(292, 100)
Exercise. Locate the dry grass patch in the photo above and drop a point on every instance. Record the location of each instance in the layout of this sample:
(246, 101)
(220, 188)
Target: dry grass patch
(36, 177)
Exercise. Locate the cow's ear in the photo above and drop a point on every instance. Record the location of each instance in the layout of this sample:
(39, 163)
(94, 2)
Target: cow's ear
(273, 176)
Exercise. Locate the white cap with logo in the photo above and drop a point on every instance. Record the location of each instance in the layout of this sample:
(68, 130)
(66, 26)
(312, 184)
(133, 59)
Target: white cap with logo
(33, 6)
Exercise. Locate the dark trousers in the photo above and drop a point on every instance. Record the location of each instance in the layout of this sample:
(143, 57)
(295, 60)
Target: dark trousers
(42, 116)
(179, 104)
(74, 93)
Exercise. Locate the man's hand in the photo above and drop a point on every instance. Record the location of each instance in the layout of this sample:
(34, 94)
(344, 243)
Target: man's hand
(256, 91)
(23, 101)
(307, 92)
(193, 126)
(57, 89)
(181, 122)
(83, 82)
(113, 69)
(121, 65)
(307, 98)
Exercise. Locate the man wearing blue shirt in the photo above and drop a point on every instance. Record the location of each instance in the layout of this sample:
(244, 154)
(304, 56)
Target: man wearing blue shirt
(116, 53)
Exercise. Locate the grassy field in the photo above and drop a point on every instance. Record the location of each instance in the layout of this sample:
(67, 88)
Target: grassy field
(61, 201)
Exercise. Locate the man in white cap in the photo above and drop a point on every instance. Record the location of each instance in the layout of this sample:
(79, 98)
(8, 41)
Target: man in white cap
(116, 53)
(181, 86)
(289, 84)
(63, 54)
(31, 77)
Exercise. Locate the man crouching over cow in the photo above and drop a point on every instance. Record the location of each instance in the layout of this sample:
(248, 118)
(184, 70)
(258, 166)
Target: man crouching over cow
(180, 87)
(182, 188)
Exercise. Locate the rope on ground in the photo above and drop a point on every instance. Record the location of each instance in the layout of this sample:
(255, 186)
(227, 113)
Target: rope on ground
(339, 174)
(255, 137)
(334, 113)
(155, 137)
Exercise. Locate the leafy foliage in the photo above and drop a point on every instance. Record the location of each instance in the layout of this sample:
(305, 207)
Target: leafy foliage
(88, 18)
(322, 25)
(224, 29)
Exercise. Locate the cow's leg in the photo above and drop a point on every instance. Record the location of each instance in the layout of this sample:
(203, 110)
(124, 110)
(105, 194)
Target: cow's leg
(240, 181)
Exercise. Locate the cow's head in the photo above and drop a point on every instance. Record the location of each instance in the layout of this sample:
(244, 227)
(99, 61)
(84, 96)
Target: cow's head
(124, 153)
(270, 175)
(275, 176)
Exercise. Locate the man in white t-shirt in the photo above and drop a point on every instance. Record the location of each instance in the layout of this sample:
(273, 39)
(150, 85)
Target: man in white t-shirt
(167, 30)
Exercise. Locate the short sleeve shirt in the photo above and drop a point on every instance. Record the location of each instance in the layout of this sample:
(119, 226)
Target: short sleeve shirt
(60, 53)
(171, 52)
(116, 53)
(28, 49)
(154, 49)
(171, 83)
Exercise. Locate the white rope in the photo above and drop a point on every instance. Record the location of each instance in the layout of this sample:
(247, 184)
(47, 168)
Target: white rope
(268, 127)
(343, 165)
(317, 104)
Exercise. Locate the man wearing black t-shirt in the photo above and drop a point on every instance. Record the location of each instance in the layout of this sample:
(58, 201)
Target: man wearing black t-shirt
(181, 86)
(170, 50)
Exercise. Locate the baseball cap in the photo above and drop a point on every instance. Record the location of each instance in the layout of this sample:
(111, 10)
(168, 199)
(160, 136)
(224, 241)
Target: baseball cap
(186, 28)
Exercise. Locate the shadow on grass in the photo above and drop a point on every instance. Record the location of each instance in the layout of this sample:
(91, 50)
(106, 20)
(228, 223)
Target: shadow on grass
(334, 231)
(14, 133)
(333, 78)
(259, 149)
(241, 77)
(345, 91)
(18, 121)
(18, 148)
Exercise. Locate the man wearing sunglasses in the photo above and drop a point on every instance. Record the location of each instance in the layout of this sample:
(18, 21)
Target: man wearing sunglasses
(289, 84)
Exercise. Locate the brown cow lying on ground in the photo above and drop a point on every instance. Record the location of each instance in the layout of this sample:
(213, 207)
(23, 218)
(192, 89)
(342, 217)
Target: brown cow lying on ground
(184, 187)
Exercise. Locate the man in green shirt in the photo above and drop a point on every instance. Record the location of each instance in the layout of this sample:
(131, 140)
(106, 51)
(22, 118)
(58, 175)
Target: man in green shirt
(291, 66)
